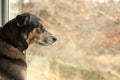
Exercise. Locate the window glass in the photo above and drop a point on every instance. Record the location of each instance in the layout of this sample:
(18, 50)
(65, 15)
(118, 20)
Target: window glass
(88, 39)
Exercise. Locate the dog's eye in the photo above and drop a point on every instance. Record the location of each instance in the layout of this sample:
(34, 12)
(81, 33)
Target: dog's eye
(40, 30)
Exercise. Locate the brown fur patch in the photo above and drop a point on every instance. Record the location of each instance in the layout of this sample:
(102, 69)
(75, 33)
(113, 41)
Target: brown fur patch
(32, 35)
(9, 51)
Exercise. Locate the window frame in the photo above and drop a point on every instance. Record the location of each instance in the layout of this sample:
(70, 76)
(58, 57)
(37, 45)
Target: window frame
(4, 11)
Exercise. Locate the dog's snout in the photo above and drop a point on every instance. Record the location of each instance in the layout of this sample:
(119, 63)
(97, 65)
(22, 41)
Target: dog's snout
(54, 39)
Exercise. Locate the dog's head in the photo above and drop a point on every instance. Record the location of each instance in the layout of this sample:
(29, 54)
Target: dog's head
(25, 29)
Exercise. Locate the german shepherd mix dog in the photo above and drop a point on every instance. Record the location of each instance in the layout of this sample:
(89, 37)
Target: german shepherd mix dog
(15, 36)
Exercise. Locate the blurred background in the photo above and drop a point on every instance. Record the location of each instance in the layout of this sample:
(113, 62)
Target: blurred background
(88, 33)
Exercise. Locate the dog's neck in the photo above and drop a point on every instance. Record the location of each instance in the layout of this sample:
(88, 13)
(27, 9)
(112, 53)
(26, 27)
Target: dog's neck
(9, 51)
(10, 33)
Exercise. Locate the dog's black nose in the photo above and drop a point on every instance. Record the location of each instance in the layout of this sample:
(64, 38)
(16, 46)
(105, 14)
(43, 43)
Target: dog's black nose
(54, 39)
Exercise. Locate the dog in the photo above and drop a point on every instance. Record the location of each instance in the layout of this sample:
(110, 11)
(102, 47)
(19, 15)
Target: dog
(15, 37)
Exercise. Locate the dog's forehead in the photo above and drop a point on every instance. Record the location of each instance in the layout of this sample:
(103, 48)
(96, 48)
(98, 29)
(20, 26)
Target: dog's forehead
(34, 21)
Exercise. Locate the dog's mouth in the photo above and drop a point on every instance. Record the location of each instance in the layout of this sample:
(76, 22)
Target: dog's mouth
(46, 42)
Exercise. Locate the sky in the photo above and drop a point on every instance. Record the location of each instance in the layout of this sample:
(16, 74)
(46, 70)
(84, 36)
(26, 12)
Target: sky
(15, 1)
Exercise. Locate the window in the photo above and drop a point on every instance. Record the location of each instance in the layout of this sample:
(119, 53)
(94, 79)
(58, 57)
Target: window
(88, 32)
(4, 11)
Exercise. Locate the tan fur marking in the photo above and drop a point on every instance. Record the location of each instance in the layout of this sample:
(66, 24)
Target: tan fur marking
(24, 73)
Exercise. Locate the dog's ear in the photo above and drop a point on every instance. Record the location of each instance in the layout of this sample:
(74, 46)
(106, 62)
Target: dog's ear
(22, 20)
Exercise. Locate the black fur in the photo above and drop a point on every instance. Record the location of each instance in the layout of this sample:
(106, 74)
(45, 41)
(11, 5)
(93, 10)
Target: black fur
(14, 33)
(18, 29)
(15, 36)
